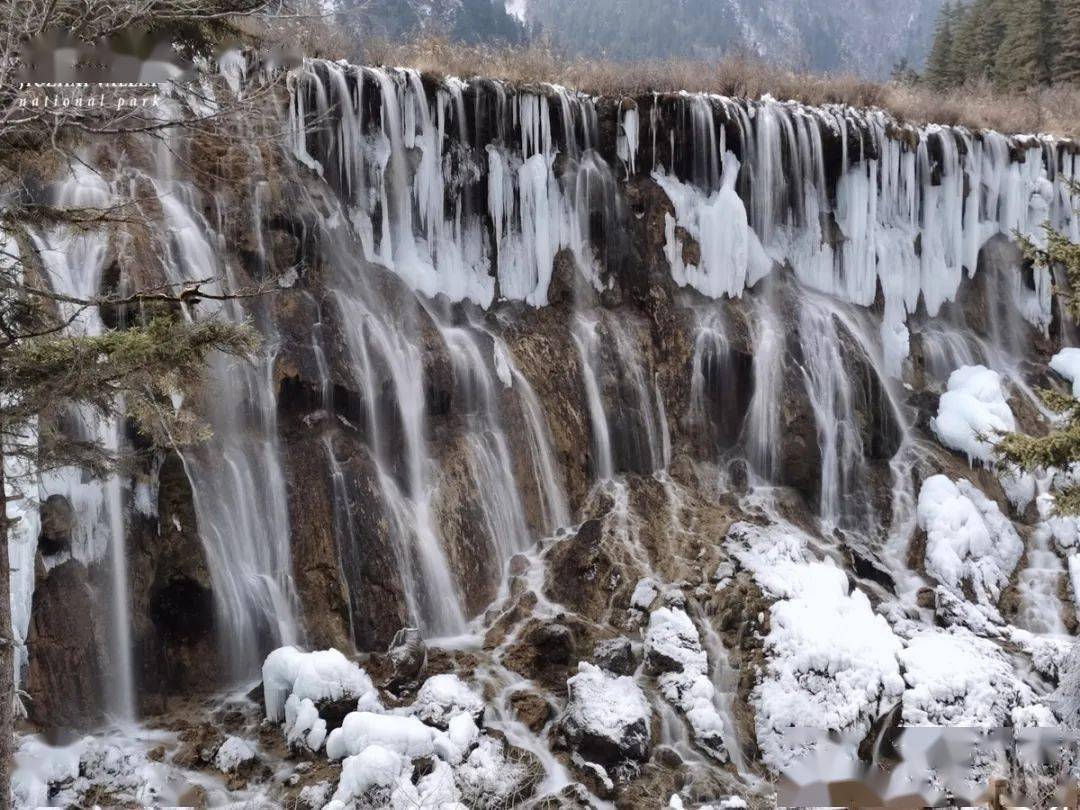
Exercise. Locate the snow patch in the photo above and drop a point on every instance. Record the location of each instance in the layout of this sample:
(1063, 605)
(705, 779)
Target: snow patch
(968, 539)
(972, 412)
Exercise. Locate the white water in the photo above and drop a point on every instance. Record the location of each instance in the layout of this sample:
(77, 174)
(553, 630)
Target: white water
(74, 261)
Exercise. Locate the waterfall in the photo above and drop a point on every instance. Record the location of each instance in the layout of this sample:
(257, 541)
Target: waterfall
(74, 263)
(238, 482)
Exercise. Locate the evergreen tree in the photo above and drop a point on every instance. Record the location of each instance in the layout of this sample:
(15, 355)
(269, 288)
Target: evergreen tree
(1025, 57)
(1067, 64)
(940, 70)
(1061, 447)
(967, 59)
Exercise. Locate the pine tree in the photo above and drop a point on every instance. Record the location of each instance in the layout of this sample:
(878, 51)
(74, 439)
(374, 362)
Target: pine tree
(990, 34)
(967, 58)
(1067, 64)
(1025, 57)
(1059, 449)
(940, 67)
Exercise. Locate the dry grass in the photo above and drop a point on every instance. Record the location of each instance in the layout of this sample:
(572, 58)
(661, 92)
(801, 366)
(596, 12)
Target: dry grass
(1054, 111)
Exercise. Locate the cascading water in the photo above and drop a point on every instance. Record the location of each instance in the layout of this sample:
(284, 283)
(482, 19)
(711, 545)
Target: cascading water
(74, 263)
(752, 268)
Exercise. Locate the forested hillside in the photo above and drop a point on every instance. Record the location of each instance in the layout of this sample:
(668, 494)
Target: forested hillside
(1013, 45)
(865, 38)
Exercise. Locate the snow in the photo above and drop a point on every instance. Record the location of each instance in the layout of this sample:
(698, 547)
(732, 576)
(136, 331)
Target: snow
(404, 735)
(672, 636)
(374, 767)
(831, 663)
(1067, 364)
(605, 705)
(645, 593)
(315, 676)
(303, 726)
(972, 412)
(444, 696)
(955, 678)
(968, 539)
(233, 754)
(488, 778)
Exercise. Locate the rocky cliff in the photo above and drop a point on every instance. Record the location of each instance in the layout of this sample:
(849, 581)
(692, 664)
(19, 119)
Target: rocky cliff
(663, 421)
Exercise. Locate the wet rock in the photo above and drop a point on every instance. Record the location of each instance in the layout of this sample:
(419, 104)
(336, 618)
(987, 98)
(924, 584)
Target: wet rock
(571, 797)
(199, 746)
(519, 564)
(407, 655)
(531, 709)
(582, 573)
(616, 655)
(554, 642)
(57, 523)
(67, 644)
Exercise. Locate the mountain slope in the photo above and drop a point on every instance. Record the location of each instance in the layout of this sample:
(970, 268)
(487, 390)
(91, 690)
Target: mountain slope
(866, 37)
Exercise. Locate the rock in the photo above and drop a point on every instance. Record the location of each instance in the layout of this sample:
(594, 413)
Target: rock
(407, 654)
(616, 655)
(57, 522)
(198, 746)
(606, 719)
(668, 757)
(66, 642)
(571, 797)
(519, 564)
(554, 642)
(925, 598)
(531, 709)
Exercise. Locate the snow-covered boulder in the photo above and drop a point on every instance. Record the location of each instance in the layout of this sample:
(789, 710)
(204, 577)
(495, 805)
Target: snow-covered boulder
(444, 696)
(968, 539)
(1067, 364)
(673, 651)
(326, 675)
(972, 412)
(496, 774)
(616, 655)
(303, 726)
(831, 662)
(234, 754)
(369, 777)
(955, 678)
(607, 717)
(404, 735)
(407, 655)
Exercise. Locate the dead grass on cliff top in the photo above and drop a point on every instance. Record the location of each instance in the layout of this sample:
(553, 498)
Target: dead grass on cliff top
(1054, 111)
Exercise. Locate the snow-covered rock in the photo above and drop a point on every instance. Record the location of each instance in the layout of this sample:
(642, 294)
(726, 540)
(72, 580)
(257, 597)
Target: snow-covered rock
(607, 717)
(234, 754)
(303, 726)
(831, 661)
(645, 593)
(673, 650)
(972, 412)
(1067, 364)
(326, 675)
(968, 539)
(496, 775)
(406, 736)
(444, 696)
(955, 678)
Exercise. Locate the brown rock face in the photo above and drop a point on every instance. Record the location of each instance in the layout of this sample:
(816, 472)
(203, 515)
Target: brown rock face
(66, 676)
(531, 709)
(172, 594)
